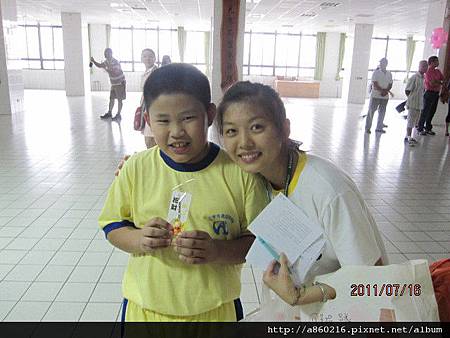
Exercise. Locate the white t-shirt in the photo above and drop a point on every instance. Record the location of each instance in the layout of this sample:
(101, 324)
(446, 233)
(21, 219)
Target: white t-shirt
(329, 197)
(415, 97)
(383, 79)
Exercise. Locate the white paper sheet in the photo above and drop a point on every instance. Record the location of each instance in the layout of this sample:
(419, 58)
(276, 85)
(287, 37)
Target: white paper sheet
(259, 256)
(306, 260)
(285, 227)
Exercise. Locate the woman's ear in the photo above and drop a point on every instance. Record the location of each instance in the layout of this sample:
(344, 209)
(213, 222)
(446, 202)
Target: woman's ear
(211, 113)
(287, 128)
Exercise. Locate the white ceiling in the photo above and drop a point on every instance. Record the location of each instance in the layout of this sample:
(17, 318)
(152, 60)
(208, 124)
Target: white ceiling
(394, 17)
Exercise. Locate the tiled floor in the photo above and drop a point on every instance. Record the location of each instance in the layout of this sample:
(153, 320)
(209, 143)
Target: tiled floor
(57, 161)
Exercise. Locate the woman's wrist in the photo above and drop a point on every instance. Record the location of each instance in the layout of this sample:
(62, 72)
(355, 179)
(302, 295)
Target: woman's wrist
(323, 290)
(298, 293)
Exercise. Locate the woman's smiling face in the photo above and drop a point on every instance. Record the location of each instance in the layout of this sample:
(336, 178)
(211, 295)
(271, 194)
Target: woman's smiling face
(250, 138)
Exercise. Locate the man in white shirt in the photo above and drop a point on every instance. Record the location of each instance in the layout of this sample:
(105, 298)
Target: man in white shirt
(379, 96)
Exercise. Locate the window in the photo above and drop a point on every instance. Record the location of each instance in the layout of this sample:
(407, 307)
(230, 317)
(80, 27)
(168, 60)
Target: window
(127, 44)
(394, 49)
(122, 47)
(279, 54)
(418, 56)
(44, 46)
(262, 49)
(377, 51)
(308, 51)
(168, 44)
(286, 63)
(396, 54)
(195, 48)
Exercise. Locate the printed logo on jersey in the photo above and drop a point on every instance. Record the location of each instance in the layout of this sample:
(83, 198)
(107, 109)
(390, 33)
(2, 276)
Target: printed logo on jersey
(221, 223)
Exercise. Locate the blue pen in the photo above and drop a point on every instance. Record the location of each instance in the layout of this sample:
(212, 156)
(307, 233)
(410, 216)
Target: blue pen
(272, 252)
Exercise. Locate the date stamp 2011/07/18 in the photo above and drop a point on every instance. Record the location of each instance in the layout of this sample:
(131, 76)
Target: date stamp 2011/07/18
(385, 289)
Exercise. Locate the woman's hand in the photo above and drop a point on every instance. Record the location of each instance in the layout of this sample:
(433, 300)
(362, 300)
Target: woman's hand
(281, 282)
(120, 165)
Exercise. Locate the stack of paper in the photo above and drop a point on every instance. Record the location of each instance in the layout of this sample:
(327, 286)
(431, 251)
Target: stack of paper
(284, 227)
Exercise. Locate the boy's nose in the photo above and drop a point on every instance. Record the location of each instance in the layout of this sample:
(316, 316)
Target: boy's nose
(177, 130)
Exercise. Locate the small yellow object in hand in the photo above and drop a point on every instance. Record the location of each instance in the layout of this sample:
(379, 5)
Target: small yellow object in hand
(177, 227)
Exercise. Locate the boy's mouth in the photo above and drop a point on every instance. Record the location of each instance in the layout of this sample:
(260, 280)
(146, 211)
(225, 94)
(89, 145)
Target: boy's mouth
(250, 157)
(179, 147)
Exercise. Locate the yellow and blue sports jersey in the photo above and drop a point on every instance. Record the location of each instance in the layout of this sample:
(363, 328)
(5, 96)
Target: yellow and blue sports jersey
(224, 202)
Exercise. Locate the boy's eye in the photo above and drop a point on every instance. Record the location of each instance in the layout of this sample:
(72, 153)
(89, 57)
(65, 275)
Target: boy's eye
(162, 121)
(230, 132)
(187, 118)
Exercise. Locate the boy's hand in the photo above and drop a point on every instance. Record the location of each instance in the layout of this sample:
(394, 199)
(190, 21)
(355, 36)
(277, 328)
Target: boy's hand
(156, 234)
(92, 59)
(196, 247)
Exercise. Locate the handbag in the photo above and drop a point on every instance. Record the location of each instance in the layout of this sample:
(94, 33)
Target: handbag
(401, 107)
(139, 121)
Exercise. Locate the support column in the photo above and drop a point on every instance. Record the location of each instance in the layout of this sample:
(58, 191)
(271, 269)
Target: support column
(329, 86)
(355, 87)
(216, 74)
(75, 55)
(11, 81)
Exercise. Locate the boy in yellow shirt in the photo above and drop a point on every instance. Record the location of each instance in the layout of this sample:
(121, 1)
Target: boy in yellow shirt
(181, 209)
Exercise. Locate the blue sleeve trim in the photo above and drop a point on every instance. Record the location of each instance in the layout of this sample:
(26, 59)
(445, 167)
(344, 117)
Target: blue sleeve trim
(116, 225)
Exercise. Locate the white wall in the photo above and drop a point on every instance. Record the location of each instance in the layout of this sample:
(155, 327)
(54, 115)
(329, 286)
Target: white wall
(11, 82)
(435, 18)
(43, 79)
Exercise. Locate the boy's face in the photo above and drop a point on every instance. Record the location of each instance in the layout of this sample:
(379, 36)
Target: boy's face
(180, 124)
(108, 54)
(148, 58)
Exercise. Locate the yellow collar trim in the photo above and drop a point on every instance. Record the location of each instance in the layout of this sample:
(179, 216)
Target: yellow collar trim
(298, 170)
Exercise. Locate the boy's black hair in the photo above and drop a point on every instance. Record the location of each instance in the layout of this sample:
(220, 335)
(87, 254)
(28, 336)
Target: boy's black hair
(177, 78)
(431, 59)
(149, 50)
(261, 96)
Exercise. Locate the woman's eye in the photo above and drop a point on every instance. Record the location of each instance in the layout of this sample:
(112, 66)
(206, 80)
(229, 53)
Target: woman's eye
(257, 127)
(187, 118)
(162, 121)
(230, 132)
